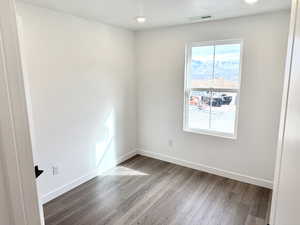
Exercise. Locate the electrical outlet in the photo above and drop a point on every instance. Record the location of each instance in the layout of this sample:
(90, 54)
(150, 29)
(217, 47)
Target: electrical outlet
(55, 170)
(170, 143)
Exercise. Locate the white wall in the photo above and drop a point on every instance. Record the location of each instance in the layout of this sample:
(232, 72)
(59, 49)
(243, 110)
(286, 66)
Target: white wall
(4, 204)
(160, 68)
(82, 86)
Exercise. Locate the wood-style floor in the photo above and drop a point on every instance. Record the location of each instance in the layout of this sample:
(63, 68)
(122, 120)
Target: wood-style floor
(147, 191)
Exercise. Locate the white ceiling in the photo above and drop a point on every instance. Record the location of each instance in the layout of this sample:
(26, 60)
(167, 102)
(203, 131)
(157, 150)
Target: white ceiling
(158, 12)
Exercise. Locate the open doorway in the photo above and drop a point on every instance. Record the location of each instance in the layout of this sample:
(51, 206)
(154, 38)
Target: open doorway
(97, 95)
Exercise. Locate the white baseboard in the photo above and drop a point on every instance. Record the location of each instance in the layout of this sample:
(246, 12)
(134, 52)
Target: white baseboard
(127, 156)
(65, 188)
(220, 172)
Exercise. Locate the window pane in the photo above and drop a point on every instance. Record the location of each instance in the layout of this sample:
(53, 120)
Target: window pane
(227, 66)
(199, 110)
(201, 71)
(213, 81)
(223, 112)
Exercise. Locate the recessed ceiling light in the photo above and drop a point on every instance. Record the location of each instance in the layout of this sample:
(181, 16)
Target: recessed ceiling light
(251, 2)
(140, 19)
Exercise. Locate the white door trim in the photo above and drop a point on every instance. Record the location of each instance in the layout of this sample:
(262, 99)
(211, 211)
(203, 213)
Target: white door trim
(15, 145)
(289, 59)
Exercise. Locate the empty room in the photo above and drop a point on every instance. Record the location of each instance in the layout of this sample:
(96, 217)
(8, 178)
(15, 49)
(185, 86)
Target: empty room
(149, 112)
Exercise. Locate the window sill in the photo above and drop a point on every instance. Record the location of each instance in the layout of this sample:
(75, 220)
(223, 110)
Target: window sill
(211, 133)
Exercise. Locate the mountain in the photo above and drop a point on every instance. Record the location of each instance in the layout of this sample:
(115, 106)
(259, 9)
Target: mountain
(228, 70)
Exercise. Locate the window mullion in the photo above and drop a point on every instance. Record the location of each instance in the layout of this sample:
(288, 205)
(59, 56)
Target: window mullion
(215, 89)
(210, 109)
(211, 89)
(213, 71)
(225, 90)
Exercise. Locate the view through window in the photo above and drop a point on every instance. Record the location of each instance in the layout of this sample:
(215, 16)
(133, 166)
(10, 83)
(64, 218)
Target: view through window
(212, 85)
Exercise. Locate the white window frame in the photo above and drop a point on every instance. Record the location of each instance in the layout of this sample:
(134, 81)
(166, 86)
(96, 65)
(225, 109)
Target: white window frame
(187, 89)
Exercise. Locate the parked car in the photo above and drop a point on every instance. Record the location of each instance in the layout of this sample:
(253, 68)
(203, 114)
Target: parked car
(226, 99)
(216, 101)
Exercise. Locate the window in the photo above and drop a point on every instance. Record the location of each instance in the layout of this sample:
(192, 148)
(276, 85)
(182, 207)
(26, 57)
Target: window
(212, 87)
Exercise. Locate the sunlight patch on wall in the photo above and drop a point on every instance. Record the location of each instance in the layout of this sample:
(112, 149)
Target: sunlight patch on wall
(105, 148)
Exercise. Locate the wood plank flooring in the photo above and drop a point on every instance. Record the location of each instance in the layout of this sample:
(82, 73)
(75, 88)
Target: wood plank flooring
(145, 191)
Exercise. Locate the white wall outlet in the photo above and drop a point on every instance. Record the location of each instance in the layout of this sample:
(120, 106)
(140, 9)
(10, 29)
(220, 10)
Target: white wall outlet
(55, 170)
(170, 143)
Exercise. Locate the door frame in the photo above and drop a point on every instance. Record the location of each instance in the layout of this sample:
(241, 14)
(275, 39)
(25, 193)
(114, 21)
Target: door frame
(285, 95)
(15, 142)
